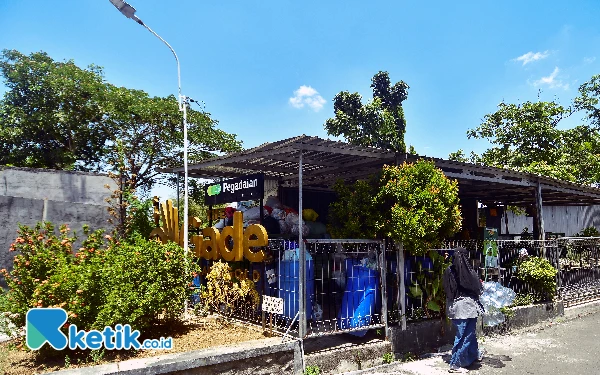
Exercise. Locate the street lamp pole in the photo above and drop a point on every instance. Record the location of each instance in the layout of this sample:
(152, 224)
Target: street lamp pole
(129, 12)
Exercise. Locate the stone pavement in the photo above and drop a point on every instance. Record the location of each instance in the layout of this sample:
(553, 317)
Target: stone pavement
(569, 345)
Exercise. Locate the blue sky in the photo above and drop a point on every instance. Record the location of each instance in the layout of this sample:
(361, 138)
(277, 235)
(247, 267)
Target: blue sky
(268, 70)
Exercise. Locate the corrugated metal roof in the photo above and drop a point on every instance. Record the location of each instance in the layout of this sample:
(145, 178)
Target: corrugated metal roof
(325, 161)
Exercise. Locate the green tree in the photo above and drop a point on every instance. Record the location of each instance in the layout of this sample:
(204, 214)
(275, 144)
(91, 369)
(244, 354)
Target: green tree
(146, 133)
(57, 115)
(526, 137)
(420, 205)
(51, 115)
(354, 214)
(413, 203)
(379, 123)
(521, 134)
(589, 100)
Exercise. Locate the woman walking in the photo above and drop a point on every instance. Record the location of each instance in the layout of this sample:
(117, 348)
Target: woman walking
(463, 287)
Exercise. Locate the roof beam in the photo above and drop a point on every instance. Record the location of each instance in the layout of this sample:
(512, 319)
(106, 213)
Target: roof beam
(377, 154)
(223, 160)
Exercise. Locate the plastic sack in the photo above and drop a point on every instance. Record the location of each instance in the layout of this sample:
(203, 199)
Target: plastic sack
(493, 317)
(494, 297)
(317, 312)
(278, 213)
(244, 205)
(284, 228)
(253, 213)
(295, 230)
(309, 214)
(316, 229)
(220, 224)
(294, 255)
(292, 218)
(273, 202)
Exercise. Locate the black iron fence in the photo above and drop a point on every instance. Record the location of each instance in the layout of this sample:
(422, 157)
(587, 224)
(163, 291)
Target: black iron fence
(342, 286)
(355, 285)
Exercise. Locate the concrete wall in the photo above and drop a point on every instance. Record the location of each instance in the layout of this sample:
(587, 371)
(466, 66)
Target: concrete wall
(28, 196)
(557, 219)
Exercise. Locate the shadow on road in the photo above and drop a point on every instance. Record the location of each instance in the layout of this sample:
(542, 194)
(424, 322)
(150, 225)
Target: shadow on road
(495, 361)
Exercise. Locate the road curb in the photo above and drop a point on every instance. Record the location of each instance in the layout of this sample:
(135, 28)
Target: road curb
(185, 361)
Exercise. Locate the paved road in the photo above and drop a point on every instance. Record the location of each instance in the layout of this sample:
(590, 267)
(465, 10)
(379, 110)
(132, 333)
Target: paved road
(562, 347)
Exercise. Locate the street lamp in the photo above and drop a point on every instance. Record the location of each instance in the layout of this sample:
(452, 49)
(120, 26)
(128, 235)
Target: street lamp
(129, 12)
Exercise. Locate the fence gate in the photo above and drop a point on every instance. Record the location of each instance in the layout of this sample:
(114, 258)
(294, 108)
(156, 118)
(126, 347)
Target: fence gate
(346, 289)
(579, 276)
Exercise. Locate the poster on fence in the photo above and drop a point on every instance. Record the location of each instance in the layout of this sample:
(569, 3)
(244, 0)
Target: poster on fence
(490, 247)
(272, 305)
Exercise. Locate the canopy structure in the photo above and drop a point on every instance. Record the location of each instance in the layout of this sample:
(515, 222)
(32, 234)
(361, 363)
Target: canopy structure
(325, 161)
(316, 163)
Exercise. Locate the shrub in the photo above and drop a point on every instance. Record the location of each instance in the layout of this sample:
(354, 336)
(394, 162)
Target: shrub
(388, 358)
(419, 205)
(413, 203)
(540, 276)
(41, 256)
(429, 285)
(224, 293)
(135, 281)
(523, 299)
(354, 214)
(144, 282)
(588, 232)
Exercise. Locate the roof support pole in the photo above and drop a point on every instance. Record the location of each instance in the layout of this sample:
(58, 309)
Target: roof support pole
(539, 210)
(301, 258)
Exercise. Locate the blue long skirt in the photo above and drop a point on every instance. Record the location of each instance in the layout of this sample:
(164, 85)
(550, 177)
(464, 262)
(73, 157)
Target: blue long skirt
(465, 349)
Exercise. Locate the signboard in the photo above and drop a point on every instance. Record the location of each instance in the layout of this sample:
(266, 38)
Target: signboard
(490, 247)
(272, 305)
(250, 187)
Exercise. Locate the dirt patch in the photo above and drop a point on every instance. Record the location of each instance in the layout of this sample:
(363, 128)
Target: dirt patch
(191, 335)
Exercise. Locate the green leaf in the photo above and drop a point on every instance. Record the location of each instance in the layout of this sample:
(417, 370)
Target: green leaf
(433, 306)
(435, 285)
(415, 291)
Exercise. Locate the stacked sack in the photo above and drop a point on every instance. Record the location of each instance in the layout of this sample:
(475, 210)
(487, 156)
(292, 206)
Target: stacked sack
(494, 297)
(278, 219)
(288, 218)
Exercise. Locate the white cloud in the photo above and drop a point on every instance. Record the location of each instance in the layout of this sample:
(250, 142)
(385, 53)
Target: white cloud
(551, 81)
(306, 95)
(589, 60)
(531, 57)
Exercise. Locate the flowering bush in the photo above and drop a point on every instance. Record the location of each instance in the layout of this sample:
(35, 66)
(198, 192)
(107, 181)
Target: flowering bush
(46, 272)
(133, 281)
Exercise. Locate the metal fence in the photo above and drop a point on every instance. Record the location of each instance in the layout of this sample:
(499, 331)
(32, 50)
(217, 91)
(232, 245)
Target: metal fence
(579, 270)
(415, 287)
(343, 287)
(355, 285)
